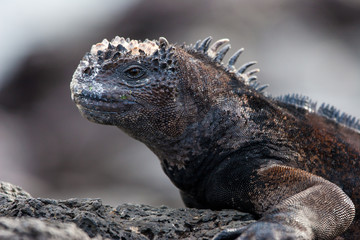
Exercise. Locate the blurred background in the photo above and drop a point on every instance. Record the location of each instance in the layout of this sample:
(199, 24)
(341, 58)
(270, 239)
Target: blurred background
(46, 147)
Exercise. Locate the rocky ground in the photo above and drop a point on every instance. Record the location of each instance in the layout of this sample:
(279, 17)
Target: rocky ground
(25, 217)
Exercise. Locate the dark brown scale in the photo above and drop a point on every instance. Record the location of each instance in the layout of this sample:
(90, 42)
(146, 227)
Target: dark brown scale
(116, 56)
(100, 60)
(88, 71)
(108, 66)
(163, 65)
(110, 46)
(120, 48)
(155, 62)
(107, 55)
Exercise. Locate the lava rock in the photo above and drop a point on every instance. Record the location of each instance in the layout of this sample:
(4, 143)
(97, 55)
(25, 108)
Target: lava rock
(25, 217)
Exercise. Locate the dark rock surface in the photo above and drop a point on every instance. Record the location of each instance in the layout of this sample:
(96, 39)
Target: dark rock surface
(24, 217)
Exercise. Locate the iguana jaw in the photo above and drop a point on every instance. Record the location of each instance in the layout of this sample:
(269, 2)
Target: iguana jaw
(94, 103)
(103, 111)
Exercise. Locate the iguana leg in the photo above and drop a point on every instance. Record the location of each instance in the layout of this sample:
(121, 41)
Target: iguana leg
(293, 204)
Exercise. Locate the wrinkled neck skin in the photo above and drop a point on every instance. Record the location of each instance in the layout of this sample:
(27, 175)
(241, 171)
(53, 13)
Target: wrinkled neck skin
(202, 144)
(215, 122)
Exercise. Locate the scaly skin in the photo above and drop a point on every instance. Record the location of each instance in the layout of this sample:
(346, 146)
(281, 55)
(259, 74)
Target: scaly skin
(222, 142)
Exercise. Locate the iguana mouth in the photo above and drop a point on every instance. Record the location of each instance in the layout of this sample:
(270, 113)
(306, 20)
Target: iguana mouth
(116, 103)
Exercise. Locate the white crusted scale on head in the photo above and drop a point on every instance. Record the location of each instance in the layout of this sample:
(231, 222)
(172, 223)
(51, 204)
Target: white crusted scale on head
(135, 47)
(216, 52)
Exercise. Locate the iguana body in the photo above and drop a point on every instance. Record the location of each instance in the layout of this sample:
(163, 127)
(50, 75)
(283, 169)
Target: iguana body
(222, 142)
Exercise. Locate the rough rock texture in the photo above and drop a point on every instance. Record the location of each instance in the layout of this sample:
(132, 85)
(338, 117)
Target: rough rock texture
(24, 217)
(25, 228)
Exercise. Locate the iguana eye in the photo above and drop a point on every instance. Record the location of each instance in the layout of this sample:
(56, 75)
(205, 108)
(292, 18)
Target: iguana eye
(134, 72)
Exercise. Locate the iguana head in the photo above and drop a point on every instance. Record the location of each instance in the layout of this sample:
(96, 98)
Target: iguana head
(152, 87)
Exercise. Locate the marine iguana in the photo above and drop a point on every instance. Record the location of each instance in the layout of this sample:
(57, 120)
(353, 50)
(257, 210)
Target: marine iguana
(222, 141)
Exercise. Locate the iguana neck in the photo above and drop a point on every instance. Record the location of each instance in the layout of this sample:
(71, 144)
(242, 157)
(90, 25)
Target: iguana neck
(218, 135)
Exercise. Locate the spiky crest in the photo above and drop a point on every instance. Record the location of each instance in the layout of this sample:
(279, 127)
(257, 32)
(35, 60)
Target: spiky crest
(250, 79)
(298, 101)
(332, 113)
(162, 50)
(324, 110)
(214, 48)
(217, 53)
